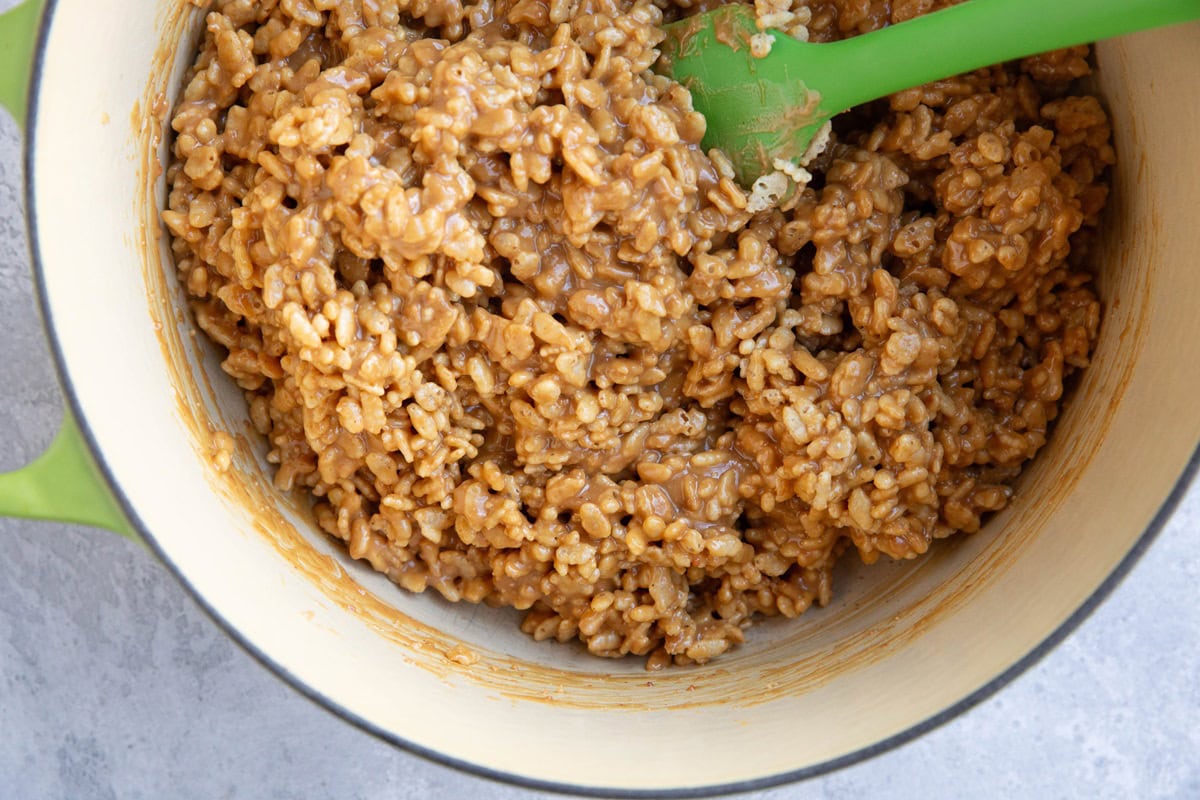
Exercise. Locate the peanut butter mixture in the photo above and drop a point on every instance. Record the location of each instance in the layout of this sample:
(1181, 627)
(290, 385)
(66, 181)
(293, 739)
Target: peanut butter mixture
(516, 334)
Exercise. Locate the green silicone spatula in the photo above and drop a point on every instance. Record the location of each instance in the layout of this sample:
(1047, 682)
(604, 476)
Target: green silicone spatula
(762, 109)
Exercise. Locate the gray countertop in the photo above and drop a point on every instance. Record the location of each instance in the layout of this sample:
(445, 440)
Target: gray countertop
(114, 684)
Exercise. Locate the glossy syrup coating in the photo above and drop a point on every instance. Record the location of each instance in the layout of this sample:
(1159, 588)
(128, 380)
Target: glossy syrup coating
(518, 336)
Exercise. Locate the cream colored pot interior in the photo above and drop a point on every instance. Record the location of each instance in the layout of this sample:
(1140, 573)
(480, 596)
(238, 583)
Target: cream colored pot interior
(901, 644)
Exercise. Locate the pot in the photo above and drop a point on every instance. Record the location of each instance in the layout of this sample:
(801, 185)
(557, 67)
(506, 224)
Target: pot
(902, 648)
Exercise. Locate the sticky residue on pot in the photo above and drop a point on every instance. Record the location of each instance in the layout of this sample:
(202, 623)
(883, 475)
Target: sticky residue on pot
(885, 613)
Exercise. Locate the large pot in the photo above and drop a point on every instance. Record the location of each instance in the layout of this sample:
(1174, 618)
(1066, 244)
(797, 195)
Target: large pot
(903, 648)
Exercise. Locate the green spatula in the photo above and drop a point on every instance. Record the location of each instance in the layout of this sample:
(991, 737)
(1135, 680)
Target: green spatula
(762, 109)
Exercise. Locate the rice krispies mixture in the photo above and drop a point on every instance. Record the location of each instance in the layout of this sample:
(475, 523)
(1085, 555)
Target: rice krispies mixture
(515, 332)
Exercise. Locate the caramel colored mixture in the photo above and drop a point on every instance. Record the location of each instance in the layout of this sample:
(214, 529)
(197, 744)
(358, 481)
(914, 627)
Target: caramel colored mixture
(517, 335)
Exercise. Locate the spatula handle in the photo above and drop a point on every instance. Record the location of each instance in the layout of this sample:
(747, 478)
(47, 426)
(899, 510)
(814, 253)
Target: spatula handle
(976, 34)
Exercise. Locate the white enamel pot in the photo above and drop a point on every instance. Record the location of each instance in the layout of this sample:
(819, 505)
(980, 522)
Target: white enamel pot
(903, 647)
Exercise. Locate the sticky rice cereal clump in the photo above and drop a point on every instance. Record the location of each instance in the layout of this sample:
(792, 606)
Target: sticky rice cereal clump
(521, 341)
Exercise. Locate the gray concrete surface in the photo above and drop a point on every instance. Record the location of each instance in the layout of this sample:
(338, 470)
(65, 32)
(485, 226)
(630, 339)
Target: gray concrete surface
(113, 683)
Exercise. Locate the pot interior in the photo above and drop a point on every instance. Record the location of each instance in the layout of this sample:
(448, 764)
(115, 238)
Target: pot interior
(900, 644)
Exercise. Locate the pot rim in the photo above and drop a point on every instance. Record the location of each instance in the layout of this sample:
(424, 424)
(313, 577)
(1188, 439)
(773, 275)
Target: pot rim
(915, 731)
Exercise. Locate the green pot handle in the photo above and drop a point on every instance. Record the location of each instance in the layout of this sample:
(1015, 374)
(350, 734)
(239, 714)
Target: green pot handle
(63, 484)
(18, 37)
